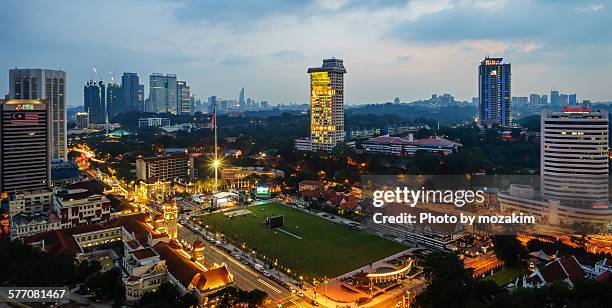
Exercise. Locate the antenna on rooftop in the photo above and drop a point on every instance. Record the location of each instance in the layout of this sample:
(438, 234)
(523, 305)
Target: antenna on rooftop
(94, 73)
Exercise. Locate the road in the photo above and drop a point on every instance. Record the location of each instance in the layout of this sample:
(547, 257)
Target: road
(245, 277)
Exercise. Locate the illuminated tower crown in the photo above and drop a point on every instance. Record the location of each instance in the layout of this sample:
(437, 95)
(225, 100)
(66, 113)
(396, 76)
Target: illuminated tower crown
(170, 212)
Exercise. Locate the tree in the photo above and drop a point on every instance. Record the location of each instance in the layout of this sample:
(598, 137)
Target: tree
(508, 249)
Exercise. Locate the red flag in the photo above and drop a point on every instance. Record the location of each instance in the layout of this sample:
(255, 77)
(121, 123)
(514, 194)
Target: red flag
(213, 119)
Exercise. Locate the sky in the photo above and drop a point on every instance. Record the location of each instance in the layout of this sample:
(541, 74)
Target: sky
(409, 49)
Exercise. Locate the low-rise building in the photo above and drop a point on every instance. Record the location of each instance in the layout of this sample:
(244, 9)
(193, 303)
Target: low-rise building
(30, 202)
(308, 185)
(524, 199)
(153, 122)
(248, 177)
(77, 207)
(150, 256)
(167, 167)
(390, 145)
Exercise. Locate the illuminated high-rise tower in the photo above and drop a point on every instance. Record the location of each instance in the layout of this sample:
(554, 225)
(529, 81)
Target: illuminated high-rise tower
(327, 104)
(494, 88)
(48, 85)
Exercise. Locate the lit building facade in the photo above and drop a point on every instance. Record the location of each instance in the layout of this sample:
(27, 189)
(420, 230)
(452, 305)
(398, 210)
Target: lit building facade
(574, 157)
(114, 100)
(82, 120)
(78, 207)
(184, 97)
(48, 85)
(327, 104)
(169, 167)
(495, 97)
(25, 145)
(94, 98)
(163, 96)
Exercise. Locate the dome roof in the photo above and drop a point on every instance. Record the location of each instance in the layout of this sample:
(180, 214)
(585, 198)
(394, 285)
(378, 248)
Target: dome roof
(198, 244)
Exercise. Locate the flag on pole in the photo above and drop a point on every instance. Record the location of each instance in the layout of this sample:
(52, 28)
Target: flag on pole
(213, 119)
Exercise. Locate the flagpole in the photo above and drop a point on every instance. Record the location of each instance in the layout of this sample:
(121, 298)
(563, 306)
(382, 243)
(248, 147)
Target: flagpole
(216, 163)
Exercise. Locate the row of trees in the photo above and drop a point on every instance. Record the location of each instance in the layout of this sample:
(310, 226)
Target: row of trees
(450, 285)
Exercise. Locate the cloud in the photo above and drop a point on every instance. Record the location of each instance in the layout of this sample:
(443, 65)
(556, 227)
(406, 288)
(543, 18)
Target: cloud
(218, 46)
(590, 8)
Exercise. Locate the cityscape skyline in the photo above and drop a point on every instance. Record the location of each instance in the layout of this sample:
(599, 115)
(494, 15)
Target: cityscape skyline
(408, 63)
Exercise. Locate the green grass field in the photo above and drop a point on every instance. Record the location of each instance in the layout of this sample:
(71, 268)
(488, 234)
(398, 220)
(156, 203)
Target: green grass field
(505, 276)
(326, 249)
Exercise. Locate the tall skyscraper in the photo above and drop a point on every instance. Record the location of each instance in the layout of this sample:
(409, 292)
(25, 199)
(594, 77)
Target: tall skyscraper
(534, 99)
(94, 101)
(163, 94)
(572, 99)
(25, 145)
(130, 92)
(48, 85)
(494, 88)
(184, 97)
(141, 98)
(327, 104)
(212, 104)
(114, 100)
(241, 101)
(555, 98)
(574, 157)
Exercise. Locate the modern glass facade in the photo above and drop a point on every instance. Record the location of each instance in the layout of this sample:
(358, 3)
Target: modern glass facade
(495, 97)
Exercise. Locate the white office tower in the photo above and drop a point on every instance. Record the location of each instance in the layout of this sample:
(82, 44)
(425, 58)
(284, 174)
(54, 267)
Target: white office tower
(574, 158)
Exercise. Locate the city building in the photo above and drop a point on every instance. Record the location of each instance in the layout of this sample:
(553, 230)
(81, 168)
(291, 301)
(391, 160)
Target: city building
(163, 95)
(30, 202)
(248, 177)
(184, 98)
(81, 120)
(362, 133)
(327, 105)
(77, 207)
(150, 257)
(574, 171)
(555, 99)
(574, 157)
(153, 122)
(141, 98)
(408, 146)
(168, 167)
(494, 88)
(437, 145)
(25, 145)
(114, 100)
(130, 87)
(94, 101)
(390, 145)
(48, 85)
(241, 101)
(64, 173)
(572, 99)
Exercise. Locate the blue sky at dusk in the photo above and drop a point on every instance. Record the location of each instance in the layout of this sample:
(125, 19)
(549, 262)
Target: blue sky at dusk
(409, 49)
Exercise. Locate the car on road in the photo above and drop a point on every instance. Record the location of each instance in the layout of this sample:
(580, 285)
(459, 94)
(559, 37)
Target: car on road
(300, 293)
(292, 289)
(266, 273)
(314, 303)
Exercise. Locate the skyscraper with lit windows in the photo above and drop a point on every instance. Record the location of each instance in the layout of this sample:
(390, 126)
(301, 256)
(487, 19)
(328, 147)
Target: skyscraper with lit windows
(495, 97)
(327, 104)
(48, 85)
